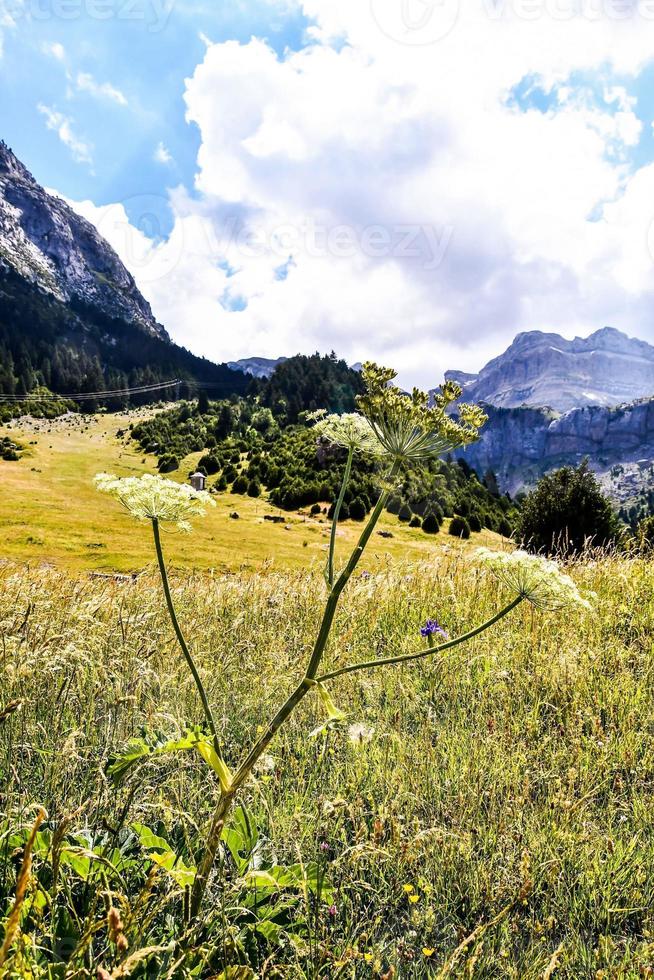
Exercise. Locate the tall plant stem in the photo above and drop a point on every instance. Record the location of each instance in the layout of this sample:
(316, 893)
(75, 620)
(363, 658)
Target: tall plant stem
(429, 652)
(329, 572)
(208, 714)
(305, 685)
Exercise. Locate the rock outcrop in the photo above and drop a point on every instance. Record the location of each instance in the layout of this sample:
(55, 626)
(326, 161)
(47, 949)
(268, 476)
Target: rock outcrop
(48, 244)
(544, 369)
(520, 444)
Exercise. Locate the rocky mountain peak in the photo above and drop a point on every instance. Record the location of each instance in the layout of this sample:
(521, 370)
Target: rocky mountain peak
(545, 369)
(48, 244)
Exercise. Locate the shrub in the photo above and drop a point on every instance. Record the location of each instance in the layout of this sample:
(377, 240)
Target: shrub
(404, 513)
(565, 511)
(254, 488)
(430, 524)
(459, 527)
(343, 515)
(230, 473)
(357, 509)
(168, 463)
(209, 464)
(221, 482)
(505, 528)
(240, 484)
(415, 521)
(315, 509)
(475, 522)
(394, 504)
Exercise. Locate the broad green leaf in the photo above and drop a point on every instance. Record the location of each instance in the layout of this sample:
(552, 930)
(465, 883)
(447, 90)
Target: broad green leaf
(181, 874)
(120, 766)
(147, 838)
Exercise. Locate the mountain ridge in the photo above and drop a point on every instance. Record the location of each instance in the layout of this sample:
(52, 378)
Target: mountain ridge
(71, 315)
(542, 369)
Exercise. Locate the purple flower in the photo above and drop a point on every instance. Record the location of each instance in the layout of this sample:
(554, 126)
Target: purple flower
(332, 911)
(431, 627)
(324, 846)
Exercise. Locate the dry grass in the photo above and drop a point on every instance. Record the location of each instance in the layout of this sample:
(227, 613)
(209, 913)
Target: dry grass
(510, 786)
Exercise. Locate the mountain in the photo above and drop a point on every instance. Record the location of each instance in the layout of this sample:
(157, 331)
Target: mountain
(71, 315)
(544, 369)
(257, 367)
(521, 444)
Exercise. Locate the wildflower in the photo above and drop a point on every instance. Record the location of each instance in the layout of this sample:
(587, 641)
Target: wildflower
(359, 733)
(414, 897)
(410, 428)
(351, 431)
(408, 889)
(432, 627)
(537, 579)
(332, 911)
(154, 498)
(428, 951)
(324, 846)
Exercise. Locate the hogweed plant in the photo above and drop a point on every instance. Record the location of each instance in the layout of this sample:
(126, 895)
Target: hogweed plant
(398, 430)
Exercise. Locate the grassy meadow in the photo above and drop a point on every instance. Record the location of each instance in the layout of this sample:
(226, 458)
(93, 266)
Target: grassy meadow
(485, 813)
(50, 511)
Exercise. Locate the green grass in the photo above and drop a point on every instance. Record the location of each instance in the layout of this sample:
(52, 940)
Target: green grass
(509, 786)
(50, 511)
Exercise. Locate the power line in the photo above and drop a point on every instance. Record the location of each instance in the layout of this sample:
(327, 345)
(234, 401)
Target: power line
(89, 395)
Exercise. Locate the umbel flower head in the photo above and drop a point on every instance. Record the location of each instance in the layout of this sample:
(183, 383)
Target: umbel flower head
(153, 498)
(538, 580)
(407, 426)
(351, 430)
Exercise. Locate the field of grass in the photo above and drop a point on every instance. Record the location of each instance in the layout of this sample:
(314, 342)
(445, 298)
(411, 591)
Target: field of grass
(489, 815)
(50, 511)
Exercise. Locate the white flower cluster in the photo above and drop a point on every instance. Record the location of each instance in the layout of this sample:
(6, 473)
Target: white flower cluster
(153, 498)
(351, 430)
(537, 579)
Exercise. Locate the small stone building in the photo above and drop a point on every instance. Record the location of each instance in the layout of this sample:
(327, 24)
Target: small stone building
(198, 481)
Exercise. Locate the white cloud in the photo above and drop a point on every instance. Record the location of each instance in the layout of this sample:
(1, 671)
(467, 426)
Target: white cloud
(162, 154)
(62, 126)
(101, 90)
(426, 217)
(55, 50)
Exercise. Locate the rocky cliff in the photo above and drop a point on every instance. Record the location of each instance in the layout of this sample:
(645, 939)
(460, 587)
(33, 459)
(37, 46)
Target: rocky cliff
(520, 444)
(47, 243)
(71, 315)
(544, 369)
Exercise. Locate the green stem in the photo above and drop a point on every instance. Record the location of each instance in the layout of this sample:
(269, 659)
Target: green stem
(242, 773)
(180, 636)
(329, 572)
(343, 578)
(403, 658)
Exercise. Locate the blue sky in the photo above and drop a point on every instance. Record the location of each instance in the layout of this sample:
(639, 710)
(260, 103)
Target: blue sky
(412, 180)
(144, 50)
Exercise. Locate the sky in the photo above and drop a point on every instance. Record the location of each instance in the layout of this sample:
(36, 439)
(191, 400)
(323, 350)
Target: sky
(413, 181)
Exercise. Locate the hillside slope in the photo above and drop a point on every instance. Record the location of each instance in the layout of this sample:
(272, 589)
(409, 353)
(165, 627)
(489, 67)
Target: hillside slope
(71, 315)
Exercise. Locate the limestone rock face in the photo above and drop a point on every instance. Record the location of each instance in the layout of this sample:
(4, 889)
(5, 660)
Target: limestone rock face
(544, 369)
(48, 244)
(520, 444)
